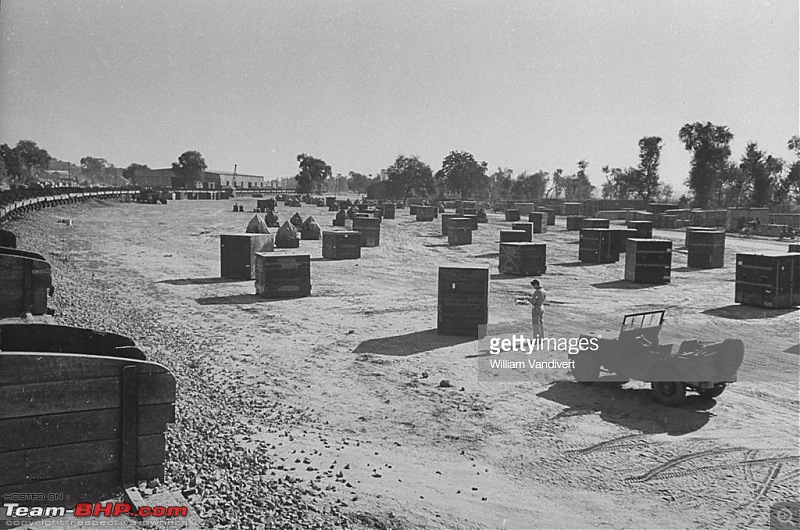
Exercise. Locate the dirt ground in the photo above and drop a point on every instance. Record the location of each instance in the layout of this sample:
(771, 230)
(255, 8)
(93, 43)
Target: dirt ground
(361, 358)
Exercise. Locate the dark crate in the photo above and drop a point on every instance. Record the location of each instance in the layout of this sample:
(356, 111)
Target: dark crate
(574, 222)
(341, 244)
(370, 229)
(648, 261)
(512, 215)
(463, 305)
(572, 208)
(513, 235)
(551, 215)
(539, 221)
(706, 248)
(644, 228)
(8, 239)
(237, 254)
(794, 247)
(463, 222)
(619, 239)
(769, 279)
(266, 204)
(595, 222)
(446, 221)
(25, 282)
(283, 275)
(426, 213)
(473, 220)
(523, 259)
(526, 227)
(388, 211)
(459, 236)
(596, 246)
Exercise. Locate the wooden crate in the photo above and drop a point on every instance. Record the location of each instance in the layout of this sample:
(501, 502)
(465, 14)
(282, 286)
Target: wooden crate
(595, 222)
(370, 229)
(551, 215)
(769, 279)
(513, 235)
(8, 239)
(82, 426)
(266, 204)
(794, 247)
(523, 259)
(388, 211)
(463, 222)
(473, 219)
(619, 239)
(463, 305)
(648, 261)
(571, 208)
(237, 257)
(644, 228)
(66, 339)
(706, 248)
(341, 244)
(283, 275)
(446, 221)
(512, 215)
(574, 222)
(596, 246)
(524, 207)
(25, 283)
(539, 221)
(426, 213)
(525, 227)
(459, 236)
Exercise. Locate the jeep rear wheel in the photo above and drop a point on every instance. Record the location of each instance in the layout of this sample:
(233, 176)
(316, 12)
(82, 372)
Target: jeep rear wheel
(667, 389)
(712, 392)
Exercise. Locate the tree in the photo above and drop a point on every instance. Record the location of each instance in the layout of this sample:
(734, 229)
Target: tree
(31, 157)
(313, 172)
(11, 162)
(358, 182)
(578, 186)
(761, 171)
(788, 187)
(621, 183)
(409, 176)
(190, 167)
(647, 184)
(500, 184)
(129, 173)
(462, 174)
(93, 169)
(530, 186)
(559, 184)
(710, 148)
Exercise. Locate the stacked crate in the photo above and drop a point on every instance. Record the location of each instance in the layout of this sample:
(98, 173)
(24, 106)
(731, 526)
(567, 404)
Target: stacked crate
(706, 248)
(463, 306)
(459, 236)
(426, 213)
(388, 211)
(513, 235)
(595, 222)
(769, 279)
(512, 215)
(446, 221)
(574, 222)
(644, 228)
(25, 282)
(370, 229)
(283, 275)
(551, 215)
(524, 207)
(539, 221)
(523, 259)
(648, 261)
(341, 244)
(619, 238)
(237, 254)
(596, 246)
(572, 208)
(525, 227)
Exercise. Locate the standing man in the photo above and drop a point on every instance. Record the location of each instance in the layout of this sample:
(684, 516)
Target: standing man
(537, 309)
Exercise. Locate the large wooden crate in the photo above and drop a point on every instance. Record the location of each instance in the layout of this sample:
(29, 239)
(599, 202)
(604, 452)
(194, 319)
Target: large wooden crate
(571, 208)
(459, 236)
(539, 221)
(283, 275)
(370, 229)
(595, 222)
(551, 215)
(426, 213)
(463, 222)
(523, 259)
(513, 235)
(25, 283)
(794, 247)
(619, 239)
(769, 279)
(524, 207)
(388, 211)
(574, 222)
(473, 219)
(237, 254)
(80, 428)
(512, 214)
(644, 228)
(266, 204)
(446, 221)
(341, 244)
(648, 261)
(706, 248)
(463, 305)
(526, 227)
(596, 246)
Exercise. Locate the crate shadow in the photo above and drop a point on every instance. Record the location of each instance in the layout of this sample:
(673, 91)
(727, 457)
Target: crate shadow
(503, 276)
(243, 299)
(795, 350)
(410, 343)
(743, 312)
(620, 284)
(628, 407)
(203, 281)
(489, 255)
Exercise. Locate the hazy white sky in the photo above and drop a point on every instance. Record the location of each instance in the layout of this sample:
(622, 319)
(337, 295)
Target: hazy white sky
(522, 84)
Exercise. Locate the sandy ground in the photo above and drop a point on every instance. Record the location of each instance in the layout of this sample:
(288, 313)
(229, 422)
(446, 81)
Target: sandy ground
(362, 360)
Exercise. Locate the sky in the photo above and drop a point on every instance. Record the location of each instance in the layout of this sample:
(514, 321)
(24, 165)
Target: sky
(528, 85)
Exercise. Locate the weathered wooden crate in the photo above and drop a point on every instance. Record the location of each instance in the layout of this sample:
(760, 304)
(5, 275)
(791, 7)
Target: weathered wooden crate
(648, 261)
(539, 221)
(706, 248)
(446, 221)
(526, 227)
(512, 214)
(513, 235)
(596, 245)
(595, 222)
(426, 213)
(82, 426)
(574, 222)
(283, 275)
(463, 306)
(571, 208)
(794, 247)
(341, 244)
(462, 222)
(25, 283)
(370, 229)
(768, 279)
(388, 211)
(619, 239)
(644, 228)
(459, 236)
(524, 207)
(523, 259)
(266, 204)
(237, 254)
(473, 219)
(551, 215)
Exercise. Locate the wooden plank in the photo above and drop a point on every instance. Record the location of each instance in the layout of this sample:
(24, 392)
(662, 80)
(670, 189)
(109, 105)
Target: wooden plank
(32, 399)
(35, 367)
(73, 427)
(130, 404)
(47, 463)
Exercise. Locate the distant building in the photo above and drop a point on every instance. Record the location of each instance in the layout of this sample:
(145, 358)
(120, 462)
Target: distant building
(226, 179)
(166, 178)
(154, 178)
